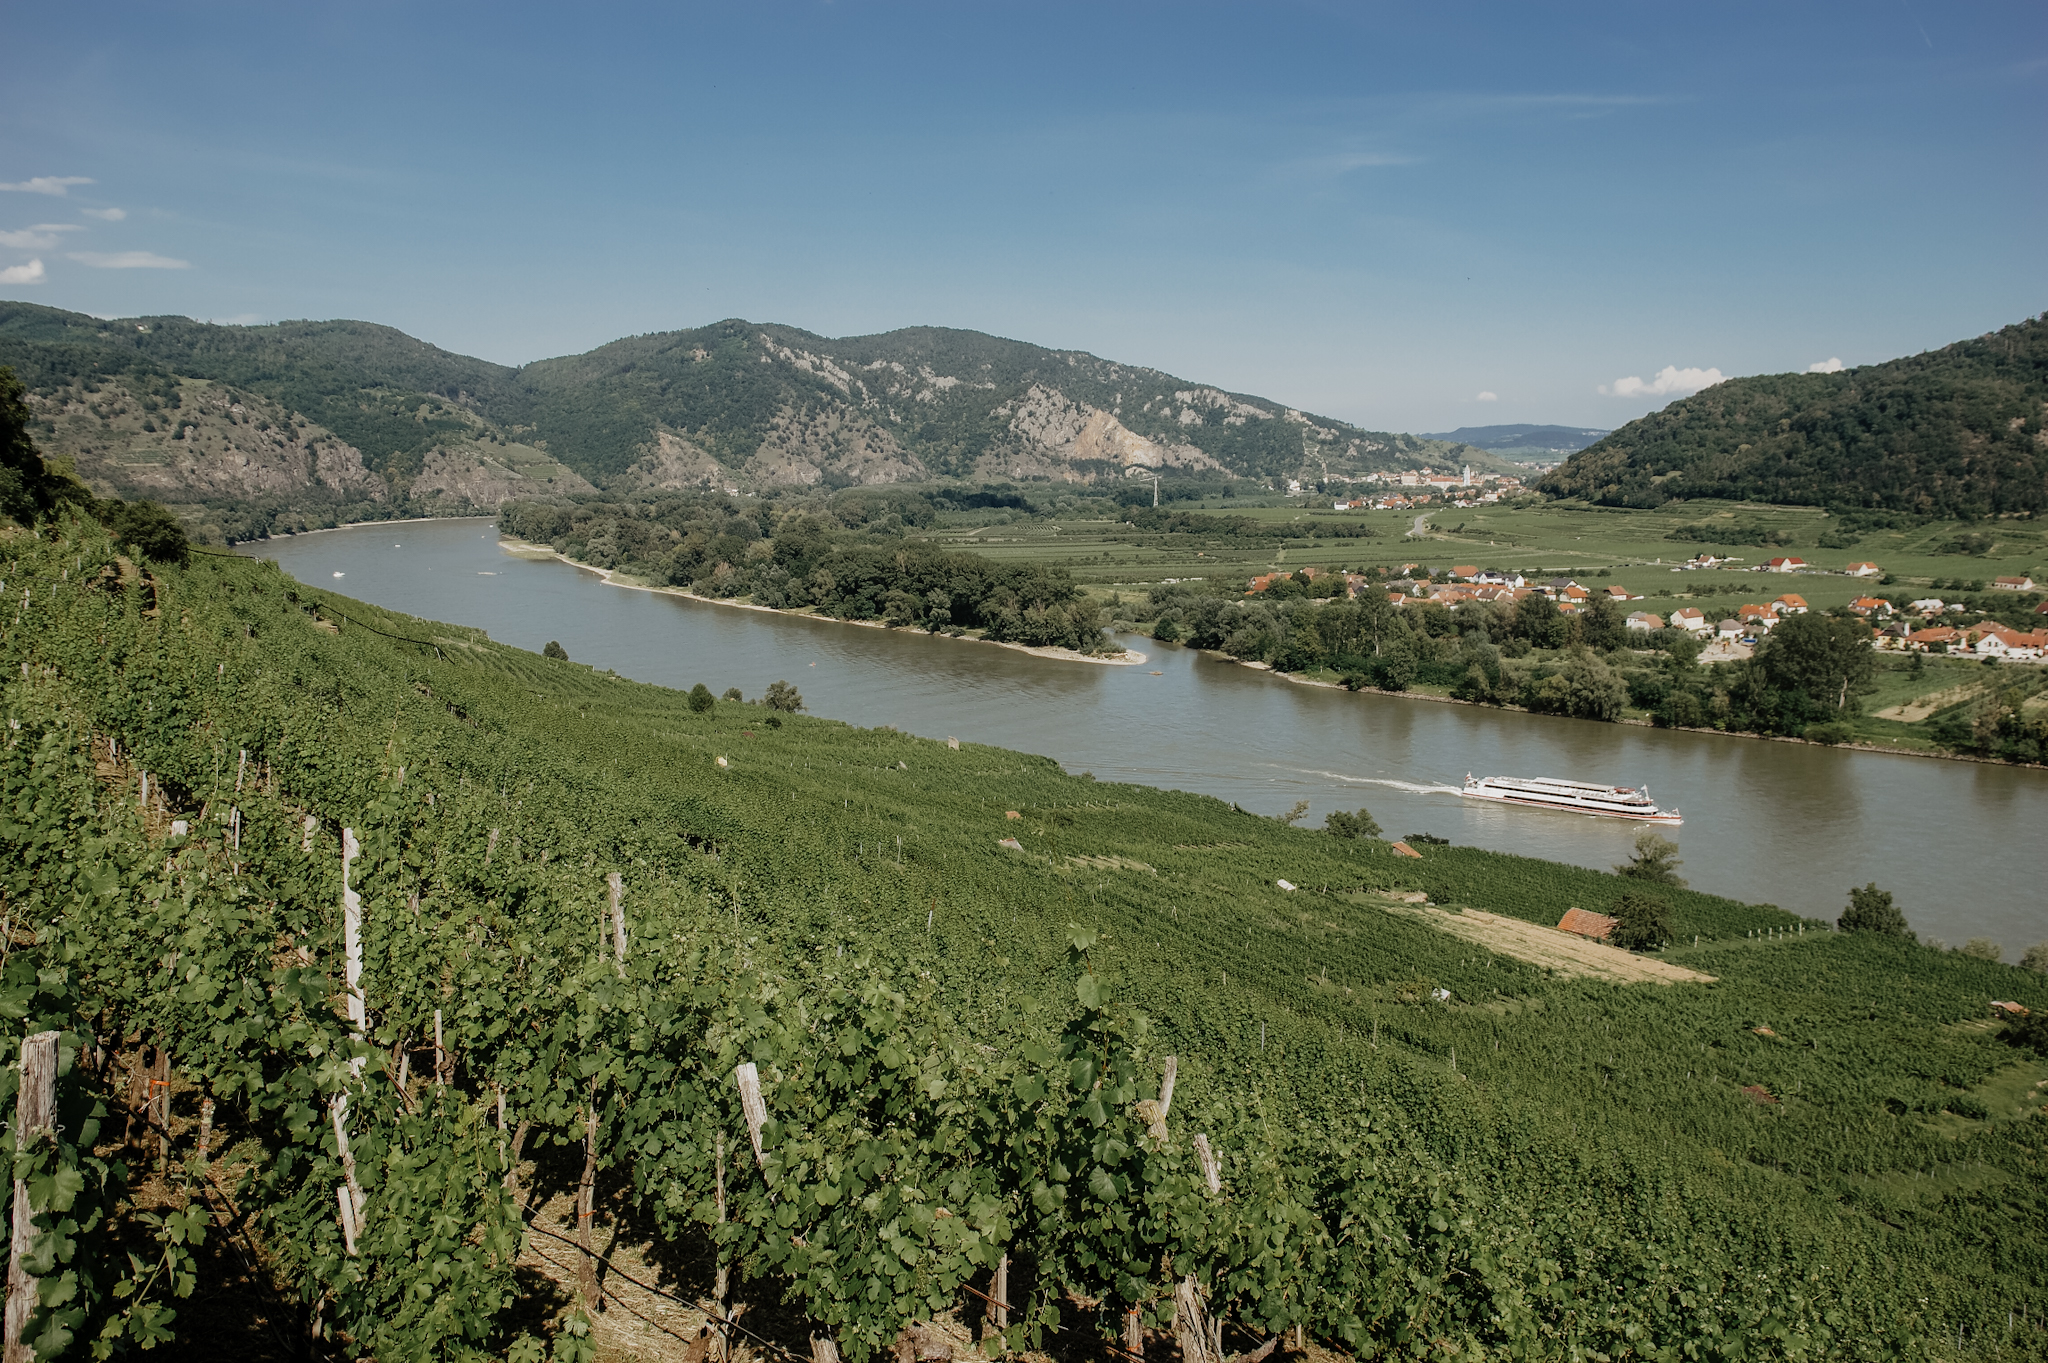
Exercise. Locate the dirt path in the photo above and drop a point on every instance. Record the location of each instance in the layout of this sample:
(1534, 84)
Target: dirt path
(1548, 947)
(1914, 711)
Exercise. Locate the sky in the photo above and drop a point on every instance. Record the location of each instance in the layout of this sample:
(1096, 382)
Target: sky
(1411, 216)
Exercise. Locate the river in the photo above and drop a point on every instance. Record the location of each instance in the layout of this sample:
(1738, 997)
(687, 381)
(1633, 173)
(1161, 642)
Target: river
(1788, 824)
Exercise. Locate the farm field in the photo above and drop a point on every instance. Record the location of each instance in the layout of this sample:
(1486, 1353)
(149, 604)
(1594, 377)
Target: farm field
(929, 983)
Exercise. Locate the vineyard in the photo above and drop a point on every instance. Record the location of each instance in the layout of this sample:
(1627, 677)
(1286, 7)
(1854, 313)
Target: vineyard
(355, 937)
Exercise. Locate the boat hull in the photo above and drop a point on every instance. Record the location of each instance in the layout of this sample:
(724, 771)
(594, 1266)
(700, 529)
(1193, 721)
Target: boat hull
(1535, 800)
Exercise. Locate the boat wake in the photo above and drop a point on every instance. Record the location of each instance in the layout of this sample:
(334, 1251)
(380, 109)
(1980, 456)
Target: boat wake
(1409, 786)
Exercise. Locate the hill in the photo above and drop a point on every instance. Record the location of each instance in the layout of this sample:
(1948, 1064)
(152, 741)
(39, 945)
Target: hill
(1523, 440)
(590, 911)
(1952, 432)
(299, 422)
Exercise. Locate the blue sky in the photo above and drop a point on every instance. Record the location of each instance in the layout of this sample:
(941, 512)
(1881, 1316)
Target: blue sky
(1378, 212)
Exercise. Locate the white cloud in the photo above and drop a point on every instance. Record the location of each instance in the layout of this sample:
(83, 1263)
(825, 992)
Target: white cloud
(1487, 397)
(1831, 365)
(1670, 381)
(31, 273)
(41, 237)
(59, 185)
(105, 214)
(129, 260)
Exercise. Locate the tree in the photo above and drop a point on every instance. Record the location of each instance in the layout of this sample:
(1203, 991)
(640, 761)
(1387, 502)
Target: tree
(1871, 910)
(1821, 656)
(701, 699)
(1293, 816)
(1655, 860)
(784, 698)
(732, 693)
(555, 650)
(2035, 958)
(1984, 949)
(1339, 824)
(29, 489)
(1641, 922)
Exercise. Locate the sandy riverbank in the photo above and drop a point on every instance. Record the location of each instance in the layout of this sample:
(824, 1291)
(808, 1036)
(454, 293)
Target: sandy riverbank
(610, 577)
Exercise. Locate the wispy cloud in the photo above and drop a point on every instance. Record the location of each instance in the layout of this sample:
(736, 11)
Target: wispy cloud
(1487, 397)
(128, 260)
(1831, 365)
(105, 214)
(1670, 381)
(31, 273)
(42, 237)
(58, 185)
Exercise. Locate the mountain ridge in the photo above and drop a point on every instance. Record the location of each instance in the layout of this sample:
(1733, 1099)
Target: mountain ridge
(398, 423)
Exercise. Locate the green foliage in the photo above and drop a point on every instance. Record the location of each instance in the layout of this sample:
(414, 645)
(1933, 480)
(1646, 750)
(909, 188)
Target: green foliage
(783, 698)
(1654, 860)
(952, 1069)
(1951, 432)
(1641, 922)
(1871, 910)
(2035, 958)
(701, 699)
(1983, 948)
(1361, 824)
(148, 527)
(1823, 657)
(556, 651)
(29, 490)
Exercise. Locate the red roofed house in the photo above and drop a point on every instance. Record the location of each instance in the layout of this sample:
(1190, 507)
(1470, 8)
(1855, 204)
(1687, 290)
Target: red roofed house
(2013, 584)
(1465, 571)
(1923, 639)
(1645, 620)
(1763, 617)
(1871, 605)
(1689, 618)
(1621, 594)
(1864, 570)
(1785, 565)
(1791, 603)
(1585, 923)
(1997, 641)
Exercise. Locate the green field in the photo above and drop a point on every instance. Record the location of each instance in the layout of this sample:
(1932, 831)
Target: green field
(1822, 1154)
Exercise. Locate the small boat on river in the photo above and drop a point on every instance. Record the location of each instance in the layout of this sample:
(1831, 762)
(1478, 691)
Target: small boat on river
(1573, 797)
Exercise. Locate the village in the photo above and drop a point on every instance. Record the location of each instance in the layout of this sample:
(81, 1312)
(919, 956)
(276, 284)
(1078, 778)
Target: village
(1914, 626)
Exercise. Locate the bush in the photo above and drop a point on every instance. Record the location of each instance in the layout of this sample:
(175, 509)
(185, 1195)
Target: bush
(701, 699)
(732, 693)
(2030, 1032)
(784, 698)
(555, 650)
(1829, 734)
(1871, 910)
(2035, 958)
(150, 529)
(1984, 949)
(1166, 631)
(1641, 922)
(1359, 825)
(1655, 860)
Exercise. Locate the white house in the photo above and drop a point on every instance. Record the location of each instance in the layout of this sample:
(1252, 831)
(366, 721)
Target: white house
(1731, 629)
(1785, 565)
(1689, 618)
(1864, 570)
(2013, 584)
(1644, 620)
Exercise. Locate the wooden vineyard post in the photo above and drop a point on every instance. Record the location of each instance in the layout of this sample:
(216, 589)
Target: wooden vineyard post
(160, 1105)
(352, 937)
(241, 766)
(1000, 1290)
(586, 1205)
(720, 1342)
(1211, 1172)
(205, 1129)
(35, 1112)
(1166, 1086)
(1190, 1324)
(749, 1080)
(348, 1192)
(617, 887)
(441, 1065)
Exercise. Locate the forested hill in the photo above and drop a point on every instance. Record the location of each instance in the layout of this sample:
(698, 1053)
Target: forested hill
(350, 414)
(1951, 432)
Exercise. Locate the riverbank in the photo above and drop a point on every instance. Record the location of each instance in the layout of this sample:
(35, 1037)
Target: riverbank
(612, 578)
(1300, 680)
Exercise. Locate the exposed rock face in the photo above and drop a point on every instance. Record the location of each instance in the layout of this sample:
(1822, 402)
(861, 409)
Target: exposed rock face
(1072, 432)
(677, 463)
(216, 444)
(829, 443)
(481, 477)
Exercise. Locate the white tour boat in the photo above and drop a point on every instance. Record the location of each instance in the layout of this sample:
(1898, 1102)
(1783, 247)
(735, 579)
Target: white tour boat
(1575, 797)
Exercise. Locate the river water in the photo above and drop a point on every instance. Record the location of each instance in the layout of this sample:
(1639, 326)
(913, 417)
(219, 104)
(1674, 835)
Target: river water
(1959, 844)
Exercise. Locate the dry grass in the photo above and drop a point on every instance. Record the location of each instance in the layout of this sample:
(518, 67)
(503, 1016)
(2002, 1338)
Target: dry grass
(1554, 950)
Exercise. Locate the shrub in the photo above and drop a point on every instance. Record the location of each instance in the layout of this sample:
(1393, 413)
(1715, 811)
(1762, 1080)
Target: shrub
(1641, 922)
(2035, 958)
(784, 698)
(1343, 825)
(1984, 949)
(1655, 860)
(1829, 734)
(555, 650)
(700, 699)
(1871, 910)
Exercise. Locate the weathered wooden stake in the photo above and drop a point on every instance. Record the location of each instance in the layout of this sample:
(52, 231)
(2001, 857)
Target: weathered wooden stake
(749, 1080)
(441, 1065)
(241, 766)
(160, 1105)
(1134, 1334)
(1000, 1290)
(352, 938)
(1190, 1323)
(586, 1204)
(307, 829)
(205, 1128)
(617, 886)
(35, 1112)
(1210, 1171)
(823, 1350)
(720, 1342)
(354, 1223)
(1166, 1086)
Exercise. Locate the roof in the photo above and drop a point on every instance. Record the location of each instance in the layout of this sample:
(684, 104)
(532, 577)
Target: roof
(1792, 599)
(1464, 570)
(1934, 634)
(1586, 923)
(1854, 566)
(1403, 849)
